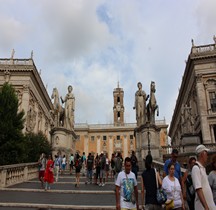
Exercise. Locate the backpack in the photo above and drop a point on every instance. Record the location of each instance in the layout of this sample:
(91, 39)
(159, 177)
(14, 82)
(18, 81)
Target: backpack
(118, 164)
(102, 162)
(133, 160)
(78, 163)
(190, 189)
(90, 162)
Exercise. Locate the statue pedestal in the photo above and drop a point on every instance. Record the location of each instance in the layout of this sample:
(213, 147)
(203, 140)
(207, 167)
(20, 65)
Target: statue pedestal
(147, 139)
(190, 142)
(63, 141)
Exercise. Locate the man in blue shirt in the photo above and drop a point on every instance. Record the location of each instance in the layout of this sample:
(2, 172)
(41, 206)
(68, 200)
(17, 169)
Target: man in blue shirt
(173, 159)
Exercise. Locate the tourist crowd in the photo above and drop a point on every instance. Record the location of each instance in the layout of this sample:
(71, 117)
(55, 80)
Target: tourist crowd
(193, 190)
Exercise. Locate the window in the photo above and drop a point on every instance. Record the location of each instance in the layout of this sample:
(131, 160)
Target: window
(118, 100)
(131, 136)
(212, 97)
(118, 137)
(92, 138)
(214, 129)
(104, 138)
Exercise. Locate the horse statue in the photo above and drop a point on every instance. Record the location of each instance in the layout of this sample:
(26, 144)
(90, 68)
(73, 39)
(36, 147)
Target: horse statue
(152, 105)
(58, 109)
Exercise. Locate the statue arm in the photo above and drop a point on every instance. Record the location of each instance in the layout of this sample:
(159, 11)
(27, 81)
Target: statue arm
(73, 107)
(135, 102)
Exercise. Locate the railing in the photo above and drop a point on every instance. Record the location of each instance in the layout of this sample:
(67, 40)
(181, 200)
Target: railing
(17, 173)
(203, 48)
(129, 125)
(168, 149)
(8, 61)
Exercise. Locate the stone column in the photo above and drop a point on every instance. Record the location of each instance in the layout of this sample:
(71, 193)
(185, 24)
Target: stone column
(201, 96)
(25, 101)
(110, 146)
(98, 145)
(125, 146)
(86, 144)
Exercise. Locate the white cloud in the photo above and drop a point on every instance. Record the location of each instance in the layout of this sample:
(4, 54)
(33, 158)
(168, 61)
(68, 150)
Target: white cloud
(12, 32)
(93, 44)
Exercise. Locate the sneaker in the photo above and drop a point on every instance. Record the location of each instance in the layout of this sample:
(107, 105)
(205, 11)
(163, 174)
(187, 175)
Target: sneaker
(103, 184)
(99, 184)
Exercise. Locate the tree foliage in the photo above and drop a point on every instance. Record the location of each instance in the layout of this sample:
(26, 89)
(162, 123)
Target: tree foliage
(11, 125)
(35, 145)
(15, 147)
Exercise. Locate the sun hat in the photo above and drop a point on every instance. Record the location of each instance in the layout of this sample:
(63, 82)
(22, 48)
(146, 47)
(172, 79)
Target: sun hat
(201, 148)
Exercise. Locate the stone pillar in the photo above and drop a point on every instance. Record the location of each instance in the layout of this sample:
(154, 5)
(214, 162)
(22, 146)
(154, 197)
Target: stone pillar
(98, 145)
(3, 176)
(25, 101)
(110, 146)
(86, 144)
(26, 173)
(125, 146)
(148, 137)
(201, 96)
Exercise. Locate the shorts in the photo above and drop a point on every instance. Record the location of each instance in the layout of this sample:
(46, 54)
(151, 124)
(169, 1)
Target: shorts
(41, 174)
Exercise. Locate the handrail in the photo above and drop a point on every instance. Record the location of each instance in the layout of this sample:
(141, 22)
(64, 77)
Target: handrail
(17, 173)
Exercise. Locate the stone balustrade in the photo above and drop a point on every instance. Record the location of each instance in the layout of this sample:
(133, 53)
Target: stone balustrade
(203, 48)
(17, 173)
(168, 149)
(8, 61)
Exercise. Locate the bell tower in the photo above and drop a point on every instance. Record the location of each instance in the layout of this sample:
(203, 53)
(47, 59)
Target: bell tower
(118, 108)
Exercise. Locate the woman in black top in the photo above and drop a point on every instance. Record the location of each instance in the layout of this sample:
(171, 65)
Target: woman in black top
(149, 185)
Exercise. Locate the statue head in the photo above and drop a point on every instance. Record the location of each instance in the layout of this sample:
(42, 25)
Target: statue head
(70, 88)
(153, 86)
(139, 85)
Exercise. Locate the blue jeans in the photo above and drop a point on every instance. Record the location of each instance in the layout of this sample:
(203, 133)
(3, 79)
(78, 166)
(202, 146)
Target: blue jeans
(89, 175)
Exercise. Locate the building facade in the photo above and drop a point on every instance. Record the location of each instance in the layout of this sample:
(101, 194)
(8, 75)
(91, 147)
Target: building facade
(23, 75)
(194, 117)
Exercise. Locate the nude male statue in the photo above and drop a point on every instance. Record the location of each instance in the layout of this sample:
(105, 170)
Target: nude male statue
(140, 105)
(69, 101)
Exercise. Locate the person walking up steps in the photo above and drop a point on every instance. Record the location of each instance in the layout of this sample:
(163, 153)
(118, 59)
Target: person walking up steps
(102, 169)
(204, 198)
(71, 163)
(42, 167)
(118, 165)
(90, 164)
(83, 169)
(126, 189)
(48, 176)
(78, 166)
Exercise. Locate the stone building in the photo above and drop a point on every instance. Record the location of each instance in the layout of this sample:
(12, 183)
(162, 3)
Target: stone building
(23, 75)
(194, 117)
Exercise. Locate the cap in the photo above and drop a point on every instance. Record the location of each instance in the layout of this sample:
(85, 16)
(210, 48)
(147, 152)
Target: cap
(201, 148)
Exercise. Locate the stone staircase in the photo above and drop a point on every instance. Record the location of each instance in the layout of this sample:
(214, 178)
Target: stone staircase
(63, 195)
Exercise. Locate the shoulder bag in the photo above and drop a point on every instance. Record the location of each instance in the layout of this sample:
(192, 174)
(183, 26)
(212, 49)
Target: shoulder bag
(161, 194)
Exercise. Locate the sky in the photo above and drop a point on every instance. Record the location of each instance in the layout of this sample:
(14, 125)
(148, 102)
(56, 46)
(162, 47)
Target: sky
(93, 44)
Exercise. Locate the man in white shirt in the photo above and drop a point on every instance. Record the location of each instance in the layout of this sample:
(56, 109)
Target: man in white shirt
(126, 189)
(204, 198)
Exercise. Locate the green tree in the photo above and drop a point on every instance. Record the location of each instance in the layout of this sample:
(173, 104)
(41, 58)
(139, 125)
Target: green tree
(11, 125)
(35, 145)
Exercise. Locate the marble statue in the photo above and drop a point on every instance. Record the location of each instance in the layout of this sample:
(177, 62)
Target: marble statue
(140, 105)
(152, 105)
(69, 101)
